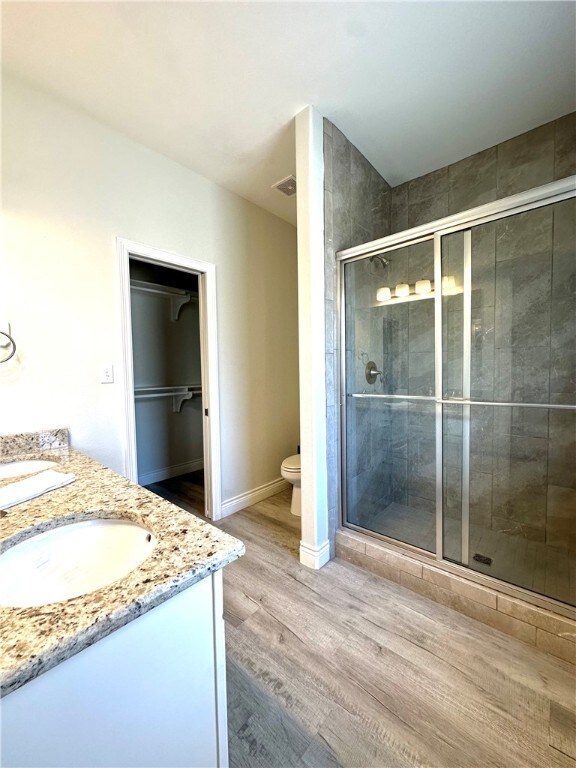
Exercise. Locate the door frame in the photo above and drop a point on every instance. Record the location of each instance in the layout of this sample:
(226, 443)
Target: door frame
(206, 271)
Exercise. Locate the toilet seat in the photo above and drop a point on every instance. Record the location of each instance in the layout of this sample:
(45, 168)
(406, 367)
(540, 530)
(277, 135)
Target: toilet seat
(291, 465)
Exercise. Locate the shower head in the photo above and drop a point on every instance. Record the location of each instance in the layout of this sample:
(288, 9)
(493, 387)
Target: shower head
(381, 259)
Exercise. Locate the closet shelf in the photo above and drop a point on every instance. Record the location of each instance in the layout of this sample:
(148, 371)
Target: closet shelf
(177, 297)
(178, 394)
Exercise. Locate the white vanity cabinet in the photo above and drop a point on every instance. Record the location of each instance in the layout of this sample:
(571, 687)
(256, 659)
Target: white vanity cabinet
(152, 693)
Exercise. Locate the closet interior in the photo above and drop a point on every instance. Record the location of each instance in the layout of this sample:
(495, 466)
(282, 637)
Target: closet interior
(168, 382)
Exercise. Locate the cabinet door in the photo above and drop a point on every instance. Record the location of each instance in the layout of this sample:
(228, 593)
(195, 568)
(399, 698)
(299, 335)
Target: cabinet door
(143, 696)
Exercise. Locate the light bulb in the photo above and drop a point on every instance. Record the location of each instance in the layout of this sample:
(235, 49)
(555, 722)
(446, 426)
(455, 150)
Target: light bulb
(402, 290)
(448, 284)
(423, 286)
(383, 294)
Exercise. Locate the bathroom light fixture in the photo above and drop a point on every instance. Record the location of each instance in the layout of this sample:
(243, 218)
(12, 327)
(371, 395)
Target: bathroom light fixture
(422, 289)
(423, 286)
(402, 290)
(383, 294)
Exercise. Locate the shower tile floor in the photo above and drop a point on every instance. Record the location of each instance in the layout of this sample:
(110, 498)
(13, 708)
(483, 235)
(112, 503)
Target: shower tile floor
(515, 560)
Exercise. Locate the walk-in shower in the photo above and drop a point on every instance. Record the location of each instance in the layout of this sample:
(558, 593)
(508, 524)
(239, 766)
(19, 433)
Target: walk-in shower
(458, 390)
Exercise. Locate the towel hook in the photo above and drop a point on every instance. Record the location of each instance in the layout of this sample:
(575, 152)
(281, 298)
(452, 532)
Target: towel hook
(10, 341)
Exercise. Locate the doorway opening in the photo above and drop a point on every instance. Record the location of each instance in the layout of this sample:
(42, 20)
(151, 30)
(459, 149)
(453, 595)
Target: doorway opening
(171, 381)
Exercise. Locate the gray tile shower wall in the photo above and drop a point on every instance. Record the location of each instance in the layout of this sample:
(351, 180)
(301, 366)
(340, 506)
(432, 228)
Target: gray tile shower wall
(542, 155)
(524, 351)
(356, 209)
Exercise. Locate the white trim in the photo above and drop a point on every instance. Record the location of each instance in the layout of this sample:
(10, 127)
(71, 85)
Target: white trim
(311, 327)
(243, 500)
(165, 473)
(545, 195)
(209, 355)
(314, 557)
(130, 457)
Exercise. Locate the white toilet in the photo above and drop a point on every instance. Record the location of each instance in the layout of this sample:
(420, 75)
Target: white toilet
(290, 470)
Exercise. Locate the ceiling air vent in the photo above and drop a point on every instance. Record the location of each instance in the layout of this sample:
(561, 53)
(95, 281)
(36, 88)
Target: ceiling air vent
(287, 186)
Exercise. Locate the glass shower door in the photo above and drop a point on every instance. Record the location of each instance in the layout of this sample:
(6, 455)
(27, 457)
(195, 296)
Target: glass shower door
(459, 396)
(509, 357)
(389, 388)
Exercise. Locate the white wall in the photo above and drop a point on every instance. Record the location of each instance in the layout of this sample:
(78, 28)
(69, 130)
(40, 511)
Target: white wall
(70, 187)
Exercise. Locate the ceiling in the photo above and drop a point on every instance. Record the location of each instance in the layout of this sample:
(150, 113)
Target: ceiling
(215, 86)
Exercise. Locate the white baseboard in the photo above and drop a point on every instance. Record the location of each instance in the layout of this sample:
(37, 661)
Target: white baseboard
(314, 557)
(236, 503)
(167, 472)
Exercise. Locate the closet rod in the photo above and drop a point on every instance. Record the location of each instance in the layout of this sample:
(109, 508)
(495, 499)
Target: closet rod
(178, 298)
(178, 394)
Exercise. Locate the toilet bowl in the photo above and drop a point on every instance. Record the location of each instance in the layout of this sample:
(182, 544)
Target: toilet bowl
(290, 470)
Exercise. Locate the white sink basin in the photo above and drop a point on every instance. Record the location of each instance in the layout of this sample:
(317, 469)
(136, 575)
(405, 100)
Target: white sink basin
(20, 468)
(71, 560)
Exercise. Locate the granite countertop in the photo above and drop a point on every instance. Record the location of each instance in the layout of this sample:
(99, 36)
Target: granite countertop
(187, 550)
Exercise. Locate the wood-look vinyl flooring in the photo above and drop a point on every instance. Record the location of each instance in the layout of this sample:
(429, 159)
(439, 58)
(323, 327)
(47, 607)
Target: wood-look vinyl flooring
(340, 667)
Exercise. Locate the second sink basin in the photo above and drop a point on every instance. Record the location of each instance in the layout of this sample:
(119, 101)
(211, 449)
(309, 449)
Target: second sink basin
(71, 560)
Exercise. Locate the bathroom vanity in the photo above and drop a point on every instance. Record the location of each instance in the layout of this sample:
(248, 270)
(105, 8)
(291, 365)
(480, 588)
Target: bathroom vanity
(133, 673)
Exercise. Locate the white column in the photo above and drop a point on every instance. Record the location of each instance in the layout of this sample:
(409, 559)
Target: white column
(314, 545)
